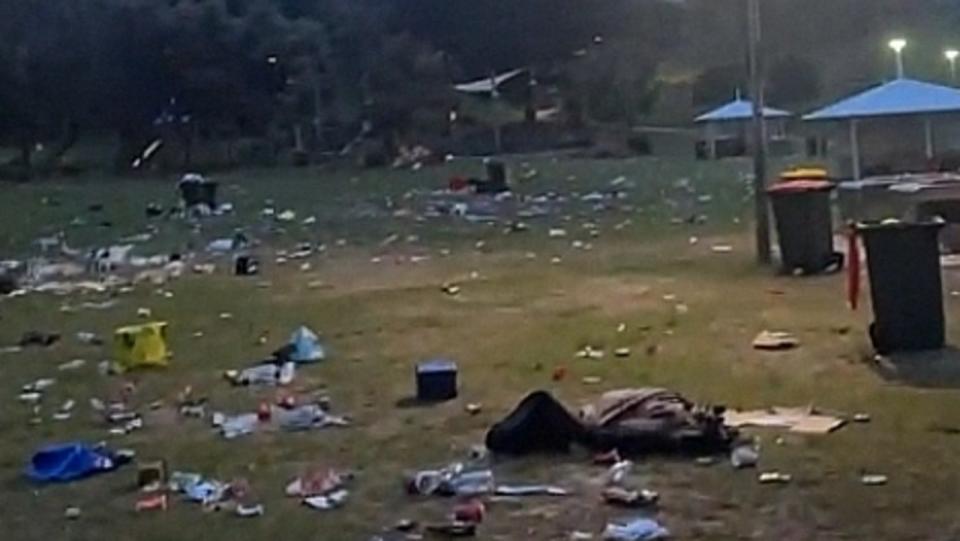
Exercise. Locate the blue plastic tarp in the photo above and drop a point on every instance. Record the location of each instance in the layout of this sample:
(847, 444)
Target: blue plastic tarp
(68, 462)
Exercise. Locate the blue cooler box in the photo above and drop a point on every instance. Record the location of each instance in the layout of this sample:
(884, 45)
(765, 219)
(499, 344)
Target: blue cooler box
(436, 380)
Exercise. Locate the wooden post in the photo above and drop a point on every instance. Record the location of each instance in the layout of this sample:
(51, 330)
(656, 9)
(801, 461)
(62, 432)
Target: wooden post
(761, 212)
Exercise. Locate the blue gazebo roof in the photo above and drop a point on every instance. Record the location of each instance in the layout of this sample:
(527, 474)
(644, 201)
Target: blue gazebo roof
(897, 97)
(738, 109)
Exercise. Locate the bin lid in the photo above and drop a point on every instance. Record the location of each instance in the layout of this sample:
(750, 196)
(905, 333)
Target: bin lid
(801, 186)
(805, 173)
(436, 366)
(893, 223)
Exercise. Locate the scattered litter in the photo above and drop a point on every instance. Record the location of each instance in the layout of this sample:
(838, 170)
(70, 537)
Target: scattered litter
(577, 535)
(138, 346)
(557, 233)
(30, 397)
(592, 380)
(621, 352)
(72, 365)
(530, 490)
(248, 511)
(775, 341)
(471, 512)
(590, 352)
(873, 480)
(721, 249)
(622, 497)
(745, 456)
(287, 216)
(38, 338)
(89, 338)
(774, 478)
(450, 289)
(619, 472)
(270, 373)
(641, 529)
(473, 408)
(452, 480)
(327, 502)
(152, 502)
(72, 513)
(800, 420)
(861, 417)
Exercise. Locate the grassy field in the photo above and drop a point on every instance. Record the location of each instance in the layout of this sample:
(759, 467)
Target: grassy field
(518, 317)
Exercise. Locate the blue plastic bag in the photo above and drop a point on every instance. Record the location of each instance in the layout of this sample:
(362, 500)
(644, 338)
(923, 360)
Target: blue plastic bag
(306, 347)
(70, 461)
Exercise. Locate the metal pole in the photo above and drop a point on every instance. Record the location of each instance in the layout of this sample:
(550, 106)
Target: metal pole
(928, 137)
(899, 64)
(761, 212)
(953, 70)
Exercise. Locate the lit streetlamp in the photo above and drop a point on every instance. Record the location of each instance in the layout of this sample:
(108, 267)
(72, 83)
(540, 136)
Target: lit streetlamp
(898, 45)
(951, 55)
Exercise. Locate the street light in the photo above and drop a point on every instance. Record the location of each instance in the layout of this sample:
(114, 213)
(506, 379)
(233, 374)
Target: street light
(898, 45)
(951, 55)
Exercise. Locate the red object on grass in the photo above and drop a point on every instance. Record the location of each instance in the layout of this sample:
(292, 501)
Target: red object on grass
(458, 184)
(471, 512)
(559, 373)
(853, 269)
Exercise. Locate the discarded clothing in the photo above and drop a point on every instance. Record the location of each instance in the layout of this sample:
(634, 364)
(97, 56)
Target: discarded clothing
(263, 374)
(451, 481)
(235, 426)
(71, 461)
(641, 529)
(800, 420)
(635, 421)
(307, 417)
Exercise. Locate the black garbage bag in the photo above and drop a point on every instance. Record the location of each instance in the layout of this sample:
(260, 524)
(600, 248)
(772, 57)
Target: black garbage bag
(538, 424)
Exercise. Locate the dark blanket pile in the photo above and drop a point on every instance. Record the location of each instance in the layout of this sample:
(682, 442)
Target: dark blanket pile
(633, 421)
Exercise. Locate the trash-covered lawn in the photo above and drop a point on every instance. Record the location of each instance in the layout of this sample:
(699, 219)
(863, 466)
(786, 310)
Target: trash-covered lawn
(594, 276)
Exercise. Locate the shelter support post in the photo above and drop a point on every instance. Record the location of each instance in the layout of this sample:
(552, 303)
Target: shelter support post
(855, 149)
(928, 137)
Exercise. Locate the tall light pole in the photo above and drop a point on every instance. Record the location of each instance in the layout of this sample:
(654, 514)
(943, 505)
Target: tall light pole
(898, 45)
(951, 55)
(761, 212)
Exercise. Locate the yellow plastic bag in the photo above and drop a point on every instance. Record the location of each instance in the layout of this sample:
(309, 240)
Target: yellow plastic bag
(141, 345)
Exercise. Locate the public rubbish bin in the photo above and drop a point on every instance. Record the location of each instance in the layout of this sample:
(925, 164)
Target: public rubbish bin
(903, 260)
(805, 226)
(496, 180)
(197, 190)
